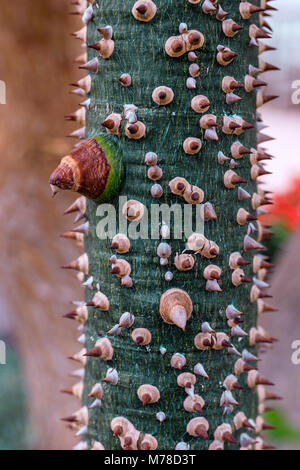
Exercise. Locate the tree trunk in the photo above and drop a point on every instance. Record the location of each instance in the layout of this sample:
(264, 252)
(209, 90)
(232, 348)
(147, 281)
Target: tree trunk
(140, 51)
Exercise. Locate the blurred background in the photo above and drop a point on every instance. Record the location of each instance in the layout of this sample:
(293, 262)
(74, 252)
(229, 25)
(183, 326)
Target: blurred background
(36, 65)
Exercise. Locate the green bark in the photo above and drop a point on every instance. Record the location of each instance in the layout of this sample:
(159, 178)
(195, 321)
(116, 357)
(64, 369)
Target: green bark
(139, 50)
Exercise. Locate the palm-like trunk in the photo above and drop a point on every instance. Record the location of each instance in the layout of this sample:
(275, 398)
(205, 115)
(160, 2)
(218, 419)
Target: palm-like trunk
(140, 52)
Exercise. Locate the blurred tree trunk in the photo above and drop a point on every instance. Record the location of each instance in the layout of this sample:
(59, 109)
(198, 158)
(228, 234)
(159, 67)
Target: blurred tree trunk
(285, 325)
(36, 64)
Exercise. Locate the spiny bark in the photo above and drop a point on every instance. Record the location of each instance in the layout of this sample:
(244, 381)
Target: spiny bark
(139, 51)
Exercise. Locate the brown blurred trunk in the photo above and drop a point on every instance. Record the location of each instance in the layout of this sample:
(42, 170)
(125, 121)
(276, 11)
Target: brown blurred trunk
(285, 325)
(35, 64)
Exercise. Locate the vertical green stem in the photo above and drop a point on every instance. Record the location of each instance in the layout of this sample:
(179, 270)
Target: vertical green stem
(139, 50)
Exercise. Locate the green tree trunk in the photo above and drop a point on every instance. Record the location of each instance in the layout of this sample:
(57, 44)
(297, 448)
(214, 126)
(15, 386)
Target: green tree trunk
(139, 51)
